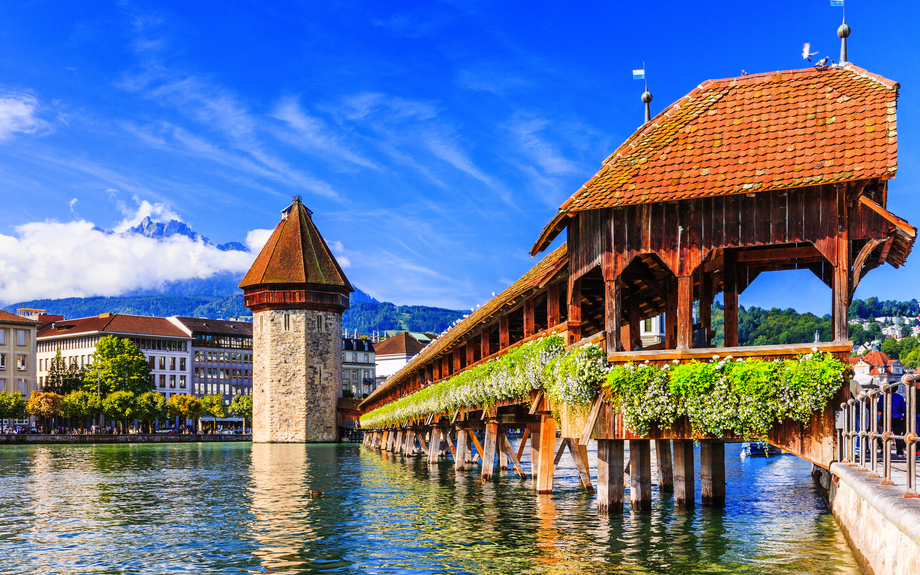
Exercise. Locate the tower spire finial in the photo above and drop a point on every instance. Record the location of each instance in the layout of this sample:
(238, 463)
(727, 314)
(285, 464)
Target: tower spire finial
(646, 96)
(842, 33)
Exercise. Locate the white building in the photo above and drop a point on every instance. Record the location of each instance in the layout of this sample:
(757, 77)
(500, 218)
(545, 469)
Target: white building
(395, 352)
(167, 348)
(221, 356)
(652, 331)
(358, 365)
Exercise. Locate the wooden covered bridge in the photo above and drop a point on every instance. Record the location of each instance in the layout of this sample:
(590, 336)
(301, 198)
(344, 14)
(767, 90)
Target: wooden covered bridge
(742, 176)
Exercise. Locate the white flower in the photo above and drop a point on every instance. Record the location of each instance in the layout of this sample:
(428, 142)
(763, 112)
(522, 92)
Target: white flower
(715, 357)
(814, 349)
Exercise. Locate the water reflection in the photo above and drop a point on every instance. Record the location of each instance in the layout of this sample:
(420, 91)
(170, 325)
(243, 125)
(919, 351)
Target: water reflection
(215, 508)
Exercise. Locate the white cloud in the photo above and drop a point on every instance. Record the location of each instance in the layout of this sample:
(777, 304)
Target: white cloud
(312, 134)
(72, 259)
(156, 211)
(338, 248)
(18, 113)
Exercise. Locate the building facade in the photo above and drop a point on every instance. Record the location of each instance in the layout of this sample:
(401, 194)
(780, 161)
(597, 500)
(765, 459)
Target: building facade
(395, 352)
(877, 365)
(18, 366)
(297, 293)
(358, 366)
(167, 348)
(221, 355)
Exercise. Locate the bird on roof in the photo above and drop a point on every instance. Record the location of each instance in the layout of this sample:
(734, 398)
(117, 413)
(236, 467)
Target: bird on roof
(823, 62)
(743, 73)
(805, 52)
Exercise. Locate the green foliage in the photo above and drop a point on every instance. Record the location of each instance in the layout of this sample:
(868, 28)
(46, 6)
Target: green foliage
(890, 348)
(369, 316)
(872, 308)
(743, 396)
(185, 406)
(241, 406)
(572, 377)
(12, 405)
(348, 394)
(858, 335)
(912, 360)
(118, 365)
(81, 404)
(209, 306)
(47, 404)
(62, 378)
(120, 405)
(150, 406)
(213, 405)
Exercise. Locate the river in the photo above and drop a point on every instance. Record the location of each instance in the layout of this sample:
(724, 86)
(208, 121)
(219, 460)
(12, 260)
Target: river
(241, 508)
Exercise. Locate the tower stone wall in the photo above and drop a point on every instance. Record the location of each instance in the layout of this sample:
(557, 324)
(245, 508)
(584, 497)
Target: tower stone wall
(297, 376)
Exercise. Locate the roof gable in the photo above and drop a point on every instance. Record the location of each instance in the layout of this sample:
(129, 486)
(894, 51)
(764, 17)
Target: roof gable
(296, 253)
(402, 344)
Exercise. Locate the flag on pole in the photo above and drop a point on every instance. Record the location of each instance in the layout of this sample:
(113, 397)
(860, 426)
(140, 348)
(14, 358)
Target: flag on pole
(837, 3)
(639, 74)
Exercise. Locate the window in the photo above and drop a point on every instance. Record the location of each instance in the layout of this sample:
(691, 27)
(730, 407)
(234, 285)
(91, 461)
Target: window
(354, 374)
(21, 362)
(181, 364)
(287, 321)
(343, 356)
(2, 361)
(2, 384)
(2, 337)
(647, 326)
(23, 387)
(162, 362)
(366, 358)
(153, 361)
(172, 382)
(162, 381)
(354, 357)
(182, 381)
(172, 364)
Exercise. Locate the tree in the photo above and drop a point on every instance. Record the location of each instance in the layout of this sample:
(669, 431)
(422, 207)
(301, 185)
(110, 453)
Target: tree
(185, 406)
(912, 361)
(120, 405)
(891, 348)
(118, 365)
(44, 405)
(241, 406)
(80, 404)
(12, 405)
(151, 406)
(213, 405)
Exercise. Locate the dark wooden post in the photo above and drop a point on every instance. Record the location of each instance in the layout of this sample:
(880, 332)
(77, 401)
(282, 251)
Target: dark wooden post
(529, 318)
(842, 271)
(705, 305)
(712, 473)
(612, 314)
(574, 323)
(470, 353)
(730, 278)
(663, 457)
(670, 314)
(547, 452)
(640, 474)
(458, 361)
(683, 473)
(610, 486)
(488, 456)
(553, 316)
(685, 312)
(397, 445)
(463, 442)
(434, 445)
(502, 448)
(504, 332)
(485, 350)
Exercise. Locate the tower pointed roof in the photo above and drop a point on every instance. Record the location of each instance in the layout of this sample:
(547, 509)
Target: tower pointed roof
(297, 254)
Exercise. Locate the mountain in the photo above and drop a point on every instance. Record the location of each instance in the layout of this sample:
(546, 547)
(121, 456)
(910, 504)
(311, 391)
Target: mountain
(159, 231)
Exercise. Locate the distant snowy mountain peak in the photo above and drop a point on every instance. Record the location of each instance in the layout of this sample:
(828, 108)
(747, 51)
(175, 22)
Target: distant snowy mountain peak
(159, 230)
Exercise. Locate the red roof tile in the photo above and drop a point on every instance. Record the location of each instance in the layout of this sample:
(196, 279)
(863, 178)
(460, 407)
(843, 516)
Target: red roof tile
(8, 317)
(121, 324)
(402, 344)
(296, 254)
(748, 134)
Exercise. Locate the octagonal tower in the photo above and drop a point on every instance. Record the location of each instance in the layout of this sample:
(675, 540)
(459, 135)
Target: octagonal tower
(297, 293)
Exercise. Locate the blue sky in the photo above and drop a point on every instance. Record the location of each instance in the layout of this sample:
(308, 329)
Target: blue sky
(432, 140)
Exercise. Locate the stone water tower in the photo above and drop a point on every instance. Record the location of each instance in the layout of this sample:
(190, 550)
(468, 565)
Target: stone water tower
(297, 293)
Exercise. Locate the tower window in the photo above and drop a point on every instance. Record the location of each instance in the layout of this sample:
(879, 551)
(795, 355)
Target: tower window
(287, 321)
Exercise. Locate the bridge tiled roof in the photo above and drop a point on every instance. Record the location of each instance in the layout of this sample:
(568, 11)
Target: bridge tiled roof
(748, 134)
(540, 273)
(296, 253)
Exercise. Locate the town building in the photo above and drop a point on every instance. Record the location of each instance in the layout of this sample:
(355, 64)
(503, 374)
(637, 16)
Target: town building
(395, 352)
(297, 293)
(221, 355)
(652, 331)
(18, 367)
(879, 366)
(358, 366)
(167, 348)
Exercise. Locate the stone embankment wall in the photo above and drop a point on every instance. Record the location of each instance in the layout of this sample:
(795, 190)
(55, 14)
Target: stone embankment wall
(883, 527)
(29, 439)
(297, 376)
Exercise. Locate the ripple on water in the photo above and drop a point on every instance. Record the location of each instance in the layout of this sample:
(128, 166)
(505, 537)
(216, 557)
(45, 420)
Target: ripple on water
(236, 508)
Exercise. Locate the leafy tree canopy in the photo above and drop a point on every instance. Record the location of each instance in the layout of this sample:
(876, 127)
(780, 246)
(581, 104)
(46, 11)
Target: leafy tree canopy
(241, 406)
(187, 406)
(62, 378)
(213, 405)
(12, 405)
(151, 406)
(118, 365)
(80, 404)
(44, 404)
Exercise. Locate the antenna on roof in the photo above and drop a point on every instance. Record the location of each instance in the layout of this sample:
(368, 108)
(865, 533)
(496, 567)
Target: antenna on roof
(646, 96)
(842, 32)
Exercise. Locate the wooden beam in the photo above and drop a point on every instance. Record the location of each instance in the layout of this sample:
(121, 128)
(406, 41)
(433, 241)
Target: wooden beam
(705, 306)
(684, 312)
(553, 314)
(547, 447)
(475, 440)
(484, 349)
(894, 220)
(534, 451)
(580, 455)
(610, 487)
(529, 317)
(730, 299)
(770, 351)
(504, 332)
(511, 455)
(842, 273)
(462, 443)
(612, 314)
(684, 494)
(712, 473)
(640, 474)
(670, 315)
(488, 456)
(807, 254)
(861, 260)
(434, 446)
(663, 458)
(520, 451)
(574, 323)
(592, 420)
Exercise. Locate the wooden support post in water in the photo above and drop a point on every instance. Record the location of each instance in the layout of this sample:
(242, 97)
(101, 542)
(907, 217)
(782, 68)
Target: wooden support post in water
(501, 448)
(684, 312)
(397, 445)
(534, 452)
(463, 441)
(488, 456)
(612, 313)
(610, 486)
(640, 474)
(684, 491)
(434, 446)
(712, 473)
(580, 456)
(663, 456)
(730, 297)
(547, 450)
(516, 463)
(479, 449)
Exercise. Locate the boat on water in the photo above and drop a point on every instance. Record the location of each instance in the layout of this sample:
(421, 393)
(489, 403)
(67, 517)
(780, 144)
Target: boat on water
(759, 449)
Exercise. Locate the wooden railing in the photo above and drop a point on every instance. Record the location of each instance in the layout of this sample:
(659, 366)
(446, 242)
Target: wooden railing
(841, 350)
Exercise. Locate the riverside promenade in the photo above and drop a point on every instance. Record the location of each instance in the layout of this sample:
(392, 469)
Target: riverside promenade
(85, 439)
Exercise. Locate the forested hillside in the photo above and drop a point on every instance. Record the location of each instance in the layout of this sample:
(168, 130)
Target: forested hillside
(368, 317)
